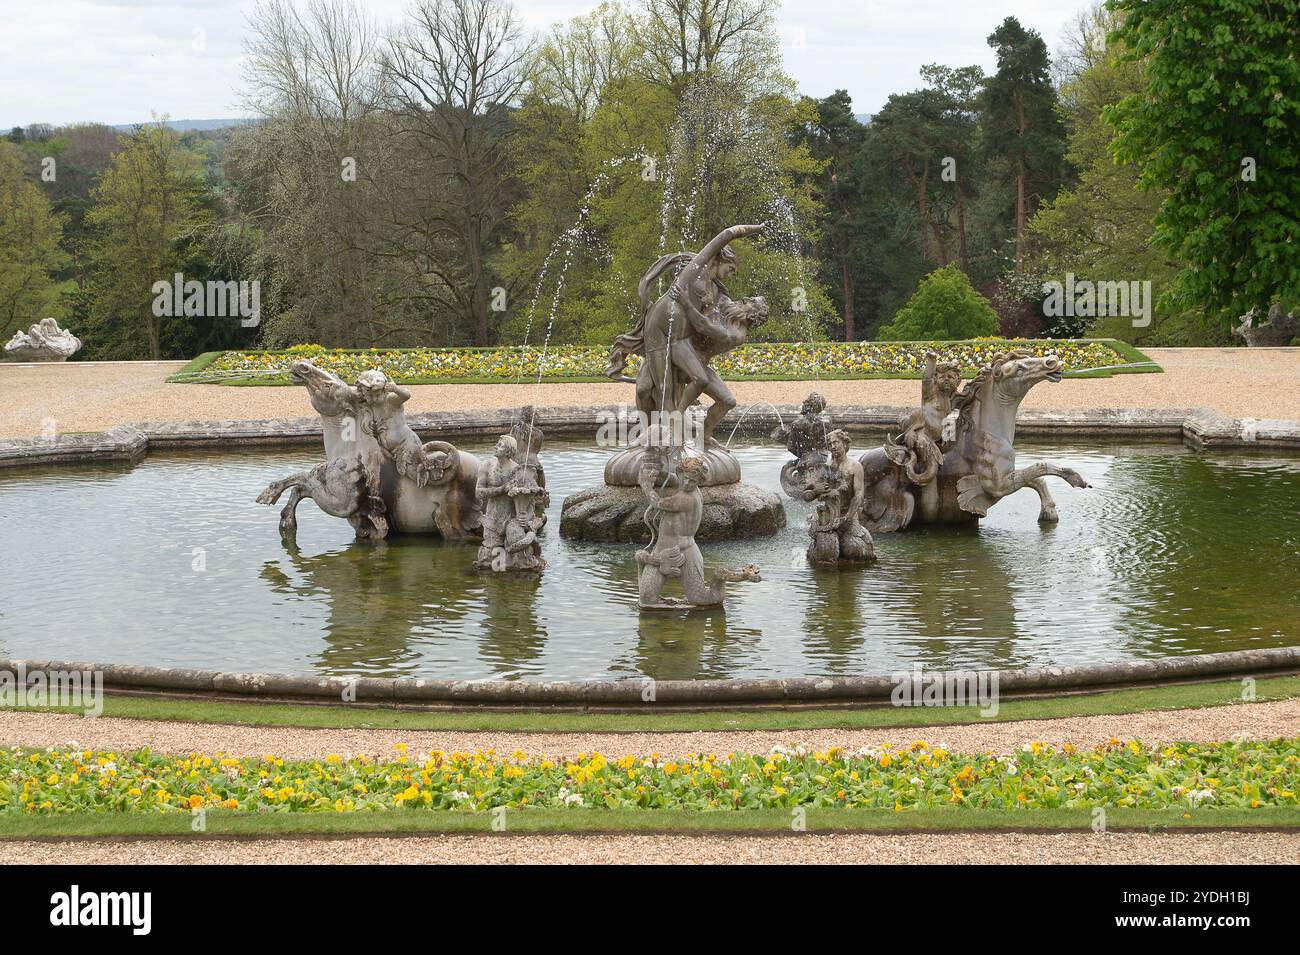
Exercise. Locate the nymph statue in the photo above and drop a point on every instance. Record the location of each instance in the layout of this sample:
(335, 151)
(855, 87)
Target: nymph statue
(44, 341)
(508, 491)
(675, 508)
(805, 438)
(835, 526)
(426, 487)
(679, 333)
(975, 450)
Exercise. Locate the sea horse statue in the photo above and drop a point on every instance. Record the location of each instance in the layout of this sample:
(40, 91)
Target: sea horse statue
(976, 467)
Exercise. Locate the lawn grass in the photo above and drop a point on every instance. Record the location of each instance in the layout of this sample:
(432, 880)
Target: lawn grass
(192, 372)
(343, 716)
(220, 823)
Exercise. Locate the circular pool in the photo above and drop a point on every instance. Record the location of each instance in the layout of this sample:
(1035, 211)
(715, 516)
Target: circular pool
(171, 563)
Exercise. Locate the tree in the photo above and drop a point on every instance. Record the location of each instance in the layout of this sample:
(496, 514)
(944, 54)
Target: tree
(836, 139)
(1218, 126)
(1021, 123)
(312, 184)
(456, 74)
(146, 221)
(945, 307)
(30, 253)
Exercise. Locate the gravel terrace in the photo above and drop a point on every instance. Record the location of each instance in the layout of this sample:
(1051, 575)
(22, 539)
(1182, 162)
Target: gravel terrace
(95, 396)
(1112, 848)
(1272, 720)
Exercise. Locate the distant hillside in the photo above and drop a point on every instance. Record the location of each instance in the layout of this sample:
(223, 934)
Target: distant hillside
(180, 125)
(199, 125)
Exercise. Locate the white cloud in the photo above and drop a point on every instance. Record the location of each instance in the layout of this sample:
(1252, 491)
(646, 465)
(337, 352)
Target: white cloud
(119, 62)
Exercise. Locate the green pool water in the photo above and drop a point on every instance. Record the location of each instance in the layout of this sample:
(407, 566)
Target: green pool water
(171, 563)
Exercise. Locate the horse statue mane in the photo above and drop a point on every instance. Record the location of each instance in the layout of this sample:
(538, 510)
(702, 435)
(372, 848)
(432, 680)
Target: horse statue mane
(965, 401)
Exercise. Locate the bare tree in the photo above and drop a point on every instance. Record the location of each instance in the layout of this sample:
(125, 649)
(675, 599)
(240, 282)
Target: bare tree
(683, 40)
(455, 75)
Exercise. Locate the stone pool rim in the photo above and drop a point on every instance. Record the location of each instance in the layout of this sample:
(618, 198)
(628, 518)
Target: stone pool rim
(1201, 428)
(668, 694)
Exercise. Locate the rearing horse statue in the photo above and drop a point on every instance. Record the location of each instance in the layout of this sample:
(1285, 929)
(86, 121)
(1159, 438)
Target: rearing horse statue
(978, 467)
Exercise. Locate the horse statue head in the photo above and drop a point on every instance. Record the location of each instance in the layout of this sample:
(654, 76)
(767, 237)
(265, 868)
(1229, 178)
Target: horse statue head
(330, 394)
(998, 388)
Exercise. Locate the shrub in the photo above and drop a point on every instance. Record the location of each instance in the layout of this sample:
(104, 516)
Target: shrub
(944, 307)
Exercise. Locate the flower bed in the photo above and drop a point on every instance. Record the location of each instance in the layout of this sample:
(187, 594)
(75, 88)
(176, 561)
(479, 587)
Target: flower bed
(756, 361)
(1238, 775)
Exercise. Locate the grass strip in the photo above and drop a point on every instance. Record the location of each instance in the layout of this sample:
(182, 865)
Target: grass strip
(342, 716)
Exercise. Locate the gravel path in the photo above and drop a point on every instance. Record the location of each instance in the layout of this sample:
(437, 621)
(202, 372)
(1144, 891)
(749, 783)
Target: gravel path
(1259, 383)
(1237, 848)
(1258, 720)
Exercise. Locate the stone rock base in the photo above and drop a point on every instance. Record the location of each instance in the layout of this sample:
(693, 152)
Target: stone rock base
(731, 512)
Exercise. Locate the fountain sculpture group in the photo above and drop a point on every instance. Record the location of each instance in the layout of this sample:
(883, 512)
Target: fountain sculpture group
(947, 462)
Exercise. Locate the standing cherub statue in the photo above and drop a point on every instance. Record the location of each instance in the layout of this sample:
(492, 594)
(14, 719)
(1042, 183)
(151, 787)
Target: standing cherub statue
(675, 518)
(507, 492)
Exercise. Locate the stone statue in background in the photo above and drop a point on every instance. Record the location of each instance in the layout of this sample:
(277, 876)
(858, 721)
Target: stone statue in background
(837, 488)
(675, 514)
(44, 341)
(1279, 328)
(976, 467)
(508, 492)
(427, 487)
(805, 438)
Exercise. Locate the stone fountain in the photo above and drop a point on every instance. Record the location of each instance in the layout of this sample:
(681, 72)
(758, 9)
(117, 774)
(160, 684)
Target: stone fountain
(680, 332)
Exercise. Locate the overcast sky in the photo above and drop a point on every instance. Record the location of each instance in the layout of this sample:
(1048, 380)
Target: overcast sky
(65, 61)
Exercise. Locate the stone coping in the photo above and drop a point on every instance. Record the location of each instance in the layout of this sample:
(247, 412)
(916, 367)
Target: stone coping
(631, 692)
(1199, 427)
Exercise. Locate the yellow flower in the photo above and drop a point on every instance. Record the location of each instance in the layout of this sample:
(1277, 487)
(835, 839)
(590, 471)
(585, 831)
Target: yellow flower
(196, 801)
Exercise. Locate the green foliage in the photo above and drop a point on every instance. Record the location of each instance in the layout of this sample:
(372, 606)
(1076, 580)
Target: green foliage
(944, 306)
(1219, 105)
(148, 208)
(1021, 127)
(30, 251)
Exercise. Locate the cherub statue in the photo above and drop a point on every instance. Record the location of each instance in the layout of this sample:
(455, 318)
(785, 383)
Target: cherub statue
(805, 438)
(530, 438)
(383, 416)
(837, 487)
(675, 518)
(507, 492)
(921, 442)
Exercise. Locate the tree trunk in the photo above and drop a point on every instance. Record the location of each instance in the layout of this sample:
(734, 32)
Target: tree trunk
(961, 230)
(846, 280)
(1020, 184)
